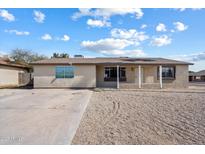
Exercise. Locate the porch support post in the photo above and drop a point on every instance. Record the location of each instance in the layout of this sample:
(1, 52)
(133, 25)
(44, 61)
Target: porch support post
(118, 84)
(139, 76)
(160, 76)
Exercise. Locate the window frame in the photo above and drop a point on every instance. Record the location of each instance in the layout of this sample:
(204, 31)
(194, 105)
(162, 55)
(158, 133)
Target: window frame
(108, 68)
(167, 78)
(65, 76)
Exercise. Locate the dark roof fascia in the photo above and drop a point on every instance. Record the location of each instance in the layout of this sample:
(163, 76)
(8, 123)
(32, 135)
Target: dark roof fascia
(114, 63)
(16, 66)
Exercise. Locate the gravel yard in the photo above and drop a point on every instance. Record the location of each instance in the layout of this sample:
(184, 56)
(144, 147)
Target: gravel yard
(133, 117)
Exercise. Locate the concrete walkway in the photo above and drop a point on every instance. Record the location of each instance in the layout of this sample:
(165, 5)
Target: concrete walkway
(41, 116)
(190, 89)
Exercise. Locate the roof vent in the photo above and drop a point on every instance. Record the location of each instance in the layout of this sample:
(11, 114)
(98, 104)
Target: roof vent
(78, 56)
(124, 57)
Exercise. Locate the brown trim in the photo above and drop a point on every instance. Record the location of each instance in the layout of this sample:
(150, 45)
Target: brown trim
(111, 64)
(110, 60)
(16, 66)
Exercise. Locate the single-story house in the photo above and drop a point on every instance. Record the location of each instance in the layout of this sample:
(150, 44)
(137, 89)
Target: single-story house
(197, 76)
(13, 74)
(120, 72)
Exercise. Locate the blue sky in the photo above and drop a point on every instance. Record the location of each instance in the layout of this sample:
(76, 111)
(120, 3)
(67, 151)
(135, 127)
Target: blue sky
(169, 33)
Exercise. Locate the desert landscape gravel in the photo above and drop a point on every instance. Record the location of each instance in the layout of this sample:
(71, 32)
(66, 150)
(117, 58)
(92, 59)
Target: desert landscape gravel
(133, 117)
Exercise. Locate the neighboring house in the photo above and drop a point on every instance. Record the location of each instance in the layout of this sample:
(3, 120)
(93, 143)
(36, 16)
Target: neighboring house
(13, 74)
(197, 76)
(110, 72)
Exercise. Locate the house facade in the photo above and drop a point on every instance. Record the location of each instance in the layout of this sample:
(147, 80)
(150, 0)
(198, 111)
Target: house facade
(110, 73)
(197, 76)
(13, 74)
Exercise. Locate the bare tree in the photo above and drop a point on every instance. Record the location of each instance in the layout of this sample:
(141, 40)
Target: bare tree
(26, 56)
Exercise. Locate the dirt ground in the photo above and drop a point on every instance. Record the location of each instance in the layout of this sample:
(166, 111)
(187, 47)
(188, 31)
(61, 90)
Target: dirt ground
(197, 85)
(133, 117)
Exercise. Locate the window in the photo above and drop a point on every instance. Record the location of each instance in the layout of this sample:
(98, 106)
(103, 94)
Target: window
(110, 74)
(168, 72)
(122, 72)
(64, 71)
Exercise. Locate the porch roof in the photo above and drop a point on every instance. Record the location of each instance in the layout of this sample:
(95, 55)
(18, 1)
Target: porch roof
(121, 60)
(7, 62)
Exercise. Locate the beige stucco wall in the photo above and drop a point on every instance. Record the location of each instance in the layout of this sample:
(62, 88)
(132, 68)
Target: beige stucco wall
(130, 75)
(92, 76)
(180, 81)
(100, 78)
(9, 76)
(84, 77)
(148, 76)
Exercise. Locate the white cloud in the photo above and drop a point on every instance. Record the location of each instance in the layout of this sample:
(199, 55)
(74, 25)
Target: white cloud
(3, 53)
(39, 16)
(180, 26)
(46, 37)
(161, 41)
(143, 26)
(124, 53)
(82, 12)
(6, 15)
(196, 9)
(17, 32)
(106, 44)
(98, 23)
(117, 45)
(161, 27)
(111, 47)
(122, 33)
(106, 13)
(65, 38)
(102, 15)
(194, 57)
(183, 9)
(131, 35)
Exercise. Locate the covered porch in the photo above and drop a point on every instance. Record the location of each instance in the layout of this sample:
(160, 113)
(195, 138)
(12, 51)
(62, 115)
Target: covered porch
(133, 76)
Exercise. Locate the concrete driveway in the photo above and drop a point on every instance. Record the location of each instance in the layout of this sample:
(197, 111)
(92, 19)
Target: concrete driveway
(41, 116)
